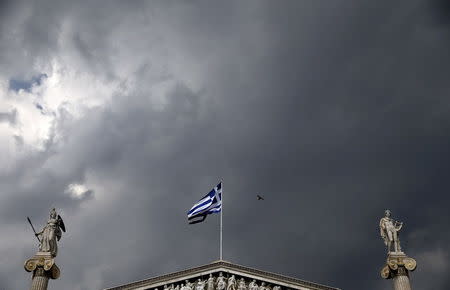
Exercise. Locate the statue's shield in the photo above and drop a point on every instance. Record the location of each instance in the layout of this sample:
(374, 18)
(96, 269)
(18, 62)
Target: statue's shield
(61, 224)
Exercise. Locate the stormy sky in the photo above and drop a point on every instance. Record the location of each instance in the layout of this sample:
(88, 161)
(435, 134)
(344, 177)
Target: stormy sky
(122, 114)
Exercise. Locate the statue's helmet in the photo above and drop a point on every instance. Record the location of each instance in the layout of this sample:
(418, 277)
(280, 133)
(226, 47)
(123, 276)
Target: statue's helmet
(53, 213)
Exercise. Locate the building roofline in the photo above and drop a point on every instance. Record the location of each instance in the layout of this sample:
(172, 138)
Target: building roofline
(217, 265)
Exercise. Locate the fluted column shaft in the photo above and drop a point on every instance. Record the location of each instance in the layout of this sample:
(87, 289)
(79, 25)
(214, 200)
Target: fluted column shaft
(40, 279)
(401, 279)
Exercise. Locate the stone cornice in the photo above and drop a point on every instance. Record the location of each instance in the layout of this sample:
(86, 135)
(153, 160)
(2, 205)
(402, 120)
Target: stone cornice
(289, 282)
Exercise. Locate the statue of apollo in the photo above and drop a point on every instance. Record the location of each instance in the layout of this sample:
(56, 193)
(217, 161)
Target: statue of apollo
(389, 229)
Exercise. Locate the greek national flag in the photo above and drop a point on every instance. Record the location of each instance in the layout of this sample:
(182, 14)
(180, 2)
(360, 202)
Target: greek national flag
(211, 203)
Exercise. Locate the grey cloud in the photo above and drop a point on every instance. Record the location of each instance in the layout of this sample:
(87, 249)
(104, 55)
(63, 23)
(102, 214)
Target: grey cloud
(19, 140)
(440, 11)
(9, 117)
(331, 113)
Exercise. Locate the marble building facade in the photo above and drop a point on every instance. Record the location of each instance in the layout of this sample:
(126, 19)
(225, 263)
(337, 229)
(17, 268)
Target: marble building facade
(222, 275)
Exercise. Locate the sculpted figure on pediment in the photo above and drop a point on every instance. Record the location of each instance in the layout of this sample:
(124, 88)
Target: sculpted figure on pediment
(200, 285)
(231, 283)
(188, 285)
(221, 284)
(263, 286)
(241, 285)
(276, 287)
(210, 282)
(253, 285)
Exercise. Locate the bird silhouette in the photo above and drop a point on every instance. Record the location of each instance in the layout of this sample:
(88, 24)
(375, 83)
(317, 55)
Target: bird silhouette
(259, 197)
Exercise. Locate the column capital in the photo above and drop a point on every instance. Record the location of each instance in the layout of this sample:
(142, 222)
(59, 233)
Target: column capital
(397, 264)
(45, 262)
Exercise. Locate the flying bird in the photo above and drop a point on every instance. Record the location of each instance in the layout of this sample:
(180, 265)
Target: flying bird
(259, 197)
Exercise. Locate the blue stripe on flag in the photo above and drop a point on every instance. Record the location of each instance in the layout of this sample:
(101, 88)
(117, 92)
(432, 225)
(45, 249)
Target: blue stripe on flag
(210, 203)
(198, 206)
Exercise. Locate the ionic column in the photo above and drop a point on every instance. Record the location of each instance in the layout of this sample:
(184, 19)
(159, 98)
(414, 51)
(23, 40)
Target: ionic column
(397, 268)
(44, 268)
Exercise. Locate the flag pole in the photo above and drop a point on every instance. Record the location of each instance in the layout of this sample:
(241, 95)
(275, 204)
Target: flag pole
(221, 213)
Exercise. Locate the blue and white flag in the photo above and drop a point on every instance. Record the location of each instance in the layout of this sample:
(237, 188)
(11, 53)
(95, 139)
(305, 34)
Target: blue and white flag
(210, 203)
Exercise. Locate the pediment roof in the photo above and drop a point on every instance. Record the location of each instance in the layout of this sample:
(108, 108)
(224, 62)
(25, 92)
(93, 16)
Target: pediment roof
(176, 278)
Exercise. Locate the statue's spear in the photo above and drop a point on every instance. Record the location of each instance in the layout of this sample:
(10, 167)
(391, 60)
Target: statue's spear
(33, 229)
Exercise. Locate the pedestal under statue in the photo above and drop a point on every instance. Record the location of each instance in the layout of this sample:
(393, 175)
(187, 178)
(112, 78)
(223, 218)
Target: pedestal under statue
(43, 263)
(398, 264)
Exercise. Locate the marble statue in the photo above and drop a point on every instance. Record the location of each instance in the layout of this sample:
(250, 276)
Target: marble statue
(241, 285)
(221, 284)
(51, 234)
(231, 283)
(253, 285)
(389, 229)
(210, 282)
(200, 285)
(188, 285)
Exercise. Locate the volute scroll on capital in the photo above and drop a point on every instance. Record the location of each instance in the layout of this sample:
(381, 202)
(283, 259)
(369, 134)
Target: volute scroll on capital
(385, 272)
(392, 264)
(55, 272)
(30, 265)
(410, 264)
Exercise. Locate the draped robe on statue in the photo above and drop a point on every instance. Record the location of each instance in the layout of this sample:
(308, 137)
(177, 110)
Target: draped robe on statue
(49, 235)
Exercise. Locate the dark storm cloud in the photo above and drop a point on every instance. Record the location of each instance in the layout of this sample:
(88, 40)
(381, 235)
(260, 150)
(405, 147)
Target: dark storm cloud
(4, 6)
(440, 12)
(332, 113)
